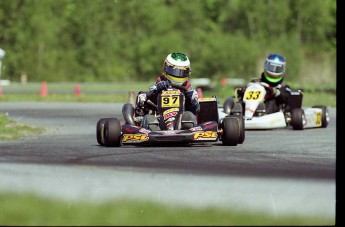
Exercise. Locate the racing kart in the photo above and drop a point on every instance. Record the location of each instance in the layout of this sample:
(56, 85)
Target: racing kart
(169, 123)
(251, 103)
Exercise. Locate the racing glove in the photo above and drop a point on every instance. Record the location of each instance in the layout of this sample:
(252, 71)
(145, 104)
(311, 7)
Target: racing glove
(141, 99)
(162, 85)
(275, 92)
(271, 90)
(192, 102)
(187, 84)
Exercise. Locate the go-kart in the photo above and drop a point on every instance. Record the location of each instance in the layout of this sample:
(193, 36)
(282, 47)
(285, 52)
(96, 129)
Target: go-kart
(251, 103)
(169, 123)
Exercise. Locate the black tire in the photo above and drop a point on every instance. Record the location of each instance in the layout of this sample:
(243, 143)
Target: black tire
(188, 120)
(324, 116)
(228, 105)
(242, 127)
(112, 133)
(150, 122)
(238, 109)
(100, 130)
(231, 131)
(297, 119)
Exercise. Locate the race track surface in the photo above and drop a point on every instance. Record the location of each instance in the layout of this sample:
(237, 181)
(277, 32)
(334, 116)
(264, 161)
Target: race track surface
(279, 171)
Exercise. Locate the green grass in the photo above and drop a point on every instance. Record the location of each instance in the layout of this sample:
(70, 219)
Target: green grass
(119, 93)
(12, 130)
(111, 98)
(28, 209)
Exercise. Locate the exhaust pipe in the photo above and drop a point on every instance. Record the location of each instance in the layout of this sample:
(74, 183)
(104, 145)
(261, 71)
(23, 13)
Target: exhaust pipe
(128, 113)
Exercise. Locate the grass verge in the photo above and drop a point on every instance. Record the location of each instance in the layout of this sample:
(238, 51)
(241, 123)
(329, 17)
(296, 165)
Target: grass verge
(119, 93)
(309, 98)
(12, 130)
(28, 209)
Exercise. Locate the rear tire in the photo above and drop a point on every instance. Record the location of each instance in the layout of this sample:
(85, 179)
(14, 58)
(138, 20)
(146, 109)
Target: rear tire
(298, 119)
(324, 115)
(100, 130)
(231, 131)
(112, 133)
(242, 129)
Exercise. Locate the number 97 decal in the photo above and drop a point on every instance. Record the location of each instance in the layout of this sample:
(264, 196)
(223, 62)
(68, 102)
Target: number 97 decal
(170, 101)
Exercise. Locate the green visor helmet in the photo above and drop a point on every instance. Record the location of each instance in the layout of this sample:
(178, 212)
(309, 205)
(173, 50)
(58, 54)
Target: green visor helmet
(176, 68)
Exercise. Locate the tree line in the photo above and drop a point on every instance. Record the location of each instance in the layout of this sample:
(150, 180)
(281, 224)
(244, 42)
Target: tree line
(127, 40)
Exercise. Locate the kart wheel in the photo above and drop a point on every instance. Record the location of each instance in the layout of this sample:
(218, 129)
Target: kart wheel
(231, 131)
(238, 109)
(241, 125)
(112, 133)
(188, 120)
(298, 119)
(150, 122)
(228, 105)
(324, 116)
(100, 130)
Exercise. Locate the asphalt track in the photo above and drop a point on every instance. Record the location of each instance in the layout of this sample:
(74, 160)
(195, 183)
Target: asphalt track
(279, 171)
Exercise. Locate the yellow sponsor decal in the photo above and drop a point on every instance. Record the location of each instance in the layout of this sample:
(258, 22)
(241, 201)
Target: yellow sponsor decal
(134, 138)
(318, 119)
(174, 92)
(170, 110)
(207, 99)
(205, 135)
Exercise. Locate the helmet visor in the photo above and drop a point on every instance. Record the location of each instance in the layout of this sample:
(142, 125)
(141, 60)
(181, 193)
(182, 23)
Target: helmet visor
(177, 71)
(274, 68)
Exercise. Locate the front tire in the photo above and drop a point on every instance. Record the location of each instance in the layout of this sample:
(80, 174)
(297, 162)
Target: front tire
(150, 122)
(112, 133)
(188, 120)
(241, 127)
(298, 119)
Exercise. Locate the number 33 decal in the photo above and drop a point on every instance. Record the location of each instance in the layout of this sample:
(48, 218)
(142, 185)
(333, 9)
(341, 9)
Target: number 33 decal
(253, 95)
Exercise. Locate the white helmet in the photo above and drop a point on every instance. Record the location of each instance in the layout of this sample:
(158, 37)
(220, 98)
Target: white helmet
(176, 68)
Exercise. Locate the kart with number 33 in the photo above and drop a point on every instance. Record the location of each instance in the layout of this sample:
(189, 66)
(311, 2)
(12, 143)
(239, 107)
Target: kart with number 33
(251, 105)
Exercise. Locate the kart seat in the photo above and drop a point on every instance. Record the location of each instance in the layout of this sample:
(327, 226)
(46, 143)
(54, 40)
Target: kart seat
(208, 110)
(295, 100)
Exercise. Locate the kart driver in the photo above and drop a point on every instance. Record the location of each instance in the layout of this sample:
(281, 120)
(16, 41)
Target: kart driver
(278, 92)
(176, 70)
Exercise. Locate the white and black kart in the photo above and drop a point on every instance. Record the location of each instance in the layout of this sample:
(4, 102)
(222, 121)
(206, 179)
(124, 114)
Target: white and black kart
(252, 107)
(170, 124)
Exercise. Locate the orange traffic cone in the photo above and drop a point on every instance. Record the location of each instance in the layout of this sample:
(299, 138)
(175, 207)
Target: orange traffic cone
(77, 89)
(44, 89)
(223, 81)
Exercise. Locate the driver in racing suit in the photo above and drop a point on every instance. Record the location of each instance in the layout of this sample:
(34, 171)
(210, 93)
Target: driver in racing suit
(278, 92)
(176, 70)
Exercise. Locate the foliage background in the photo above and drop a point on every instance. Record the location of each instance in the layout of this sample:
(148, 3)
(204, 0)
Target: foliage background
(127, 40)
